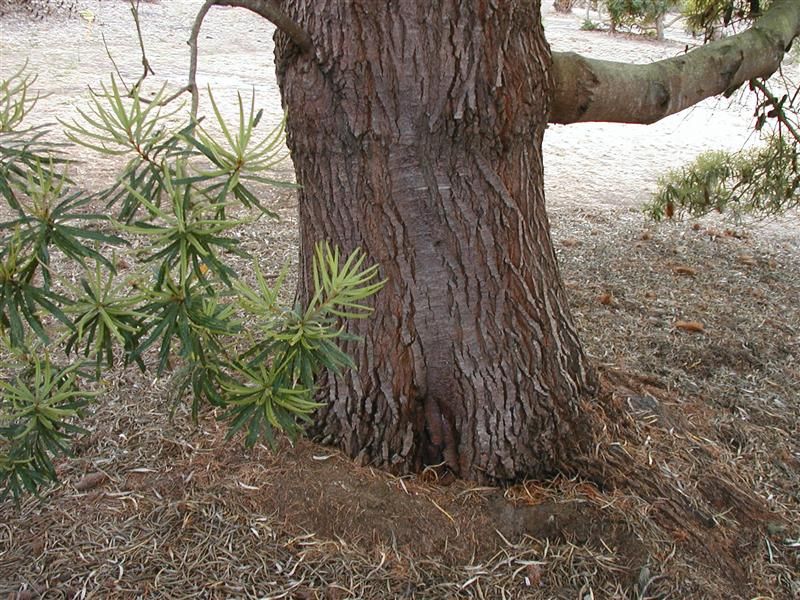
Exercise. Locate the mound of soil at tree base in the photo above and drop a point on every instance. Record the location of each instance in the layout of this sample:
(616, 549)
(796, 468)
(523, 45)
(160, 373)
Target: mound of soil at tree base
(153, 507)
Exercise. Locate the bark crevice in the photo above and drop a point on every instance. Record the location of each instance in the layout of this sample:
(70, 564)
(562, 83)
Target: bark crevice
(413, 142)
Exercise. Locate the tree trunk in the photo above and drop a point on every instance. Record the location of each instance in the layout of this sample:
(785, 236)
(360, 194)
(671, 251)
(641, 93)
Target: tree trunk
(660, 28)
(416, 133)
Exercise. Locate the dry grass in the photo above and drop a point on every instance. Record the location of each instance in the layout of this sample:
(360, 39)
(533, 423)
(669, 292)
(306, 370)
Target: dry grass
(178, 513)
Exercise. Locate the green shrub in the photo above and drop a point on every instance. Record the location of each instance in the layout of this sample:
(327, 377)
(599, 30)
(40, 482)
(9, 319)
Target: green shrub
(761, 182)
(589, 25)
(707, 16)
(182, 303)
(628, 13)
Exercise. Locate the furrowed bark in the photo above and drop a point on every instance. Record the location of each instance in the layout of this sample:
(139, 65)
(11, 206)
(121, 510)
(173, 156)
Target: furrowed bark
(587, 89)
(416, 134)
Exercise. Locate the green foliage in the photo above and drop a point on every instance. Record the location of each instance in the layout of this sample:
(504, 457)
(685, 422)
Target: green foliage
(24, 153)
(629, 13)
(759, 182)
(589, 25)
(708, 16)
(38, 406)
(182, 309)
(15, 101)
(243, 160)
(131, 127)
(50, 218)
(103, 315)
(300, 340)
(763, 181)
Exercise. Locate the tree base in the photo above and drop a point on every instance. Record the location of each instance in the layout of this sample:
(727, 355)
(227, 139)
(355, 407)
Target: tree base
(654, 483)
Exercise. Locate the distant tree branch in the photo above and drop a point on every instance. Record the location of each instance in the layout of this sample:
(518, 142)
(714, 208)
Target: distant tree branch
(587, 89)
(114, 64)
(148, 70)
(266, 8)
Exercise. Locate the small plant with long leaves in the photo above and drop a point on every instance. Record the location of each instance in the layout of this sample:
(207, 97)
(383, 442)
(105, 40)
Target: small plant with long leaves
(114, 125)
(104, 315)
(180, 311)
(273, 382)
(16, 100)
(243, 160)
(24, 152)
(40, 403)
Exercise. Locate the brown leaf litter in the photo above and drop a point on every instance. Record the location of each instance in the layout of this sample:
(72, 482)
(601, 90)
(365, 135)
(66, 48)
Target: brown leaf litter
(692, 492)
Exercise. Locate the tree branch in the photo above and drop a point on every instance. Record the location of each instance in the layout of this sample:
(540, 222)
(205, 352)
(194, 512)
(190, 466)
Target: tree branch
(192, 85)
(271, 12)
(265, 8)
(148, 70)
(598, 90)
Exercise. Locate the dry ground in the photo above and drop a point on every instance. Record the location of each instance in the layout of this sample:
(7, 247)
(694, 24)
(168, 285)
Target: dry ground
(153, 506)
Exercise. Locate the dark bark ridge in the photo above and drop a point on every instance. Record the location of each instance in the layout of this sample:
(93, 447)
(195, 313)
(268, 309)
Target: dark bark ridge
(587, 89)
(416, 135)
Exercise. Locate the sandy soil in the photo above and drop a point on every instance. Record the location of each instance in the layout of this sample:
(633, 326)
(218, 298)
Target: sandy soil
(180, 514)
(608, 165)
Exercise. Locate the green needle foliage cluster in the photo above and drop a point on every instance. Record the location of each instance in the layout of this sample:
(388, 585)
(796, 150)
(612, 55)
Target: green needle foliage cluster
(182, 310)
(761, 182)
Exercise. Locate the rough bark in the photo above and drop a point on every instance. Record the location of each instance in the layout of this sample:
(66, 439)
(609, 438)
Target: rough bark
(587, 89)
(416, 130)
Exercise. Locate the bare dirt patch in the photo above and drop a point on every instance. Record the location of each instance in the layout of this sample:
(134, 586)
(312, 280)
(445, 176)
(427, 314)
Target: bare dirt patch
(153, 506)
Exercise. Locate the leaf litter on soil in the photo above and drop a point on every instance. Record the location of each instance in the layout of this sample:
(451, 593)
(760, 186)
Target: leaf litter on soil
(152, 506)
(173, 511)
